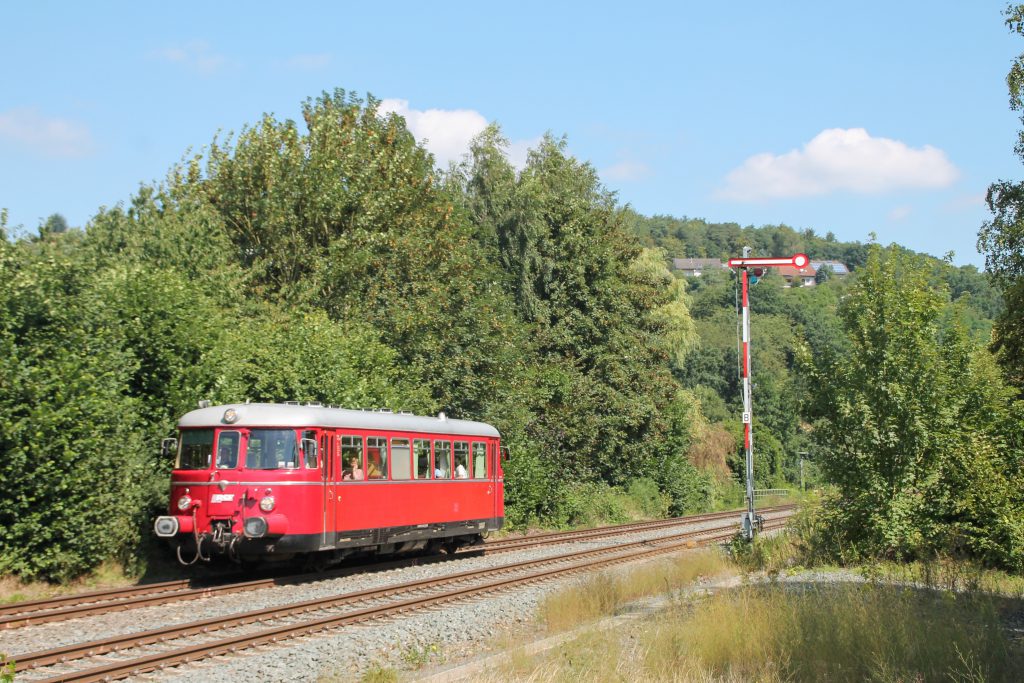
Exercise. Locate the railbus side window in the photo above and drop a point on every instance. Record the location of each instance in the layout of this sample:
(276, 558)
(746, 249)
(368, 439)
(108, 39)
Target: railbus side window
(442, 459)
(462, 460)
(401, 459)
(376, 457)
(421, 447)
(195, 449)
(479, 460)
(227, 450)
(352, 458)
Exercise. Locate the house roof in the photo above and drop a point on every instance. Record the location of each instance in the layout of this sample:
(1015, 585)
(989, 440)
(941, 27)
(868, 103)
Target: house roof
(838, 267)
(696, 263)
(793, 271)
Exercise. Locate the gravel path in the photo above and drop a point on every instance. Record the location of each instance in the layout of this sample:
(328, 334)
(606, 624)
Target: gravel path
(446, 633)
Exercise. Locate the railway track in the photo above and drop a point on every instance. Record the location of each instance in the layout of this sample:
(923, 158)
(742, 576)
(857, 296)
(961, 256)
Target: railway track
(137, 653)
(100, 602)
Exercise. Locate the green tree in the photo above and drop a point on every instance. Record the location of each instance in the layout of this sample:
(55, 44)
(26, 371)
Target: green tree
(350, 217)
(56, 224)
(77, 473)
(273, 355)
(605, 317)
(913, 425)
(1001, 239)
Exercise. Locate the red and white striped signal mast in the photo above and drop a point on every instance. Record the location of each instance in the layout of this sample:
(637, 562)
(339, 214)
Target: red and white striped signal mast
(750, 270)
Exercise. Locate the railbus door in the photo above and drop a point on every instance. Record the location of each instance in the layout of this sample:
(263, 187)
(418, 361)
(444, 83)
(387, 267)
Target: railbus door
(329, 472)
(495, 479)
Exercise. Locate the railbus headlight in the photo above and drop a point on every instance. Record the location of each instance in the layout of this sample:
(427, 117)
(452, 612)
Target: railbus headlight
(267, 504)
(166, 527)
(184, 503)
(255, 527)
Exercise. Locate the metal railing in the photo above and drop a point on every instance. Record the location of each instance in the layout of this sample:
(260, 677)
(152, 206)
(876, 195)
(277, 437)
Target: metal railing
(772, 493)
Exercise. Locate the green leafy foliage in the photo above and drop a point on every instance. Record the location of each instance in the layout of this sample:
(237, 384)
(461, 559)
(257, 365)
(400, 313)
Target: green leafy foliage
(74, 466)
(1001, 239)
(349, 218)
(605, 319)
(915, 425)
(310, 357)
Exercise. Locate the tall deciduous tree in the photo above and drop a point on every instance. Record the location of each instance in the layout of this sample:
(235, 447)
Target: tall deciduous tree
(1001, 239)
(349, 217)
(606, 318)
(916, 428)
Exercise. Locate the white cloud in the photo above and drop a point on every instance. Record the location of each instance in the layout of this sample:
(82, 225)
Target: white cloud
(899, 213)
(518, 151)
(309, 62)
(839, 159)
(196, 55)
(445, 132)
(626, 171)
(52, 137)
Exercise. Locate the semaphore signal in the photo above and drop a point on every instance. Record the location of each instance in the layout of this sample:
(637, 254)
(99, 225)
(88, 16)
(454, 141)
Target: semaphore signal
(750, 270)
(797, 260)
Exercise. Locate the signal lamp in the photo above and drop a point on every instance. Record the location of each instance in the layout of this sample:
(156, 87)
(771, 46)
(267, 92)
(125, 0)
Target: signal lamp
(267, 504)
(184, 503)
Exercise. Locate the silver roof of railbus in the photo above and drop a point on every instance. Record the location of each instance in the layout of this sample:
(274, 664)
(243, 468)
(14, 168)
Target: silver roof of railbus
(293, 415)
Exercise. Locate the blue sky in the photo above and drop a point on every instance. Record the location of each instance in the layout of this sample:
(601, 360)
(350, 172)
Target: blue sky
(852, 118)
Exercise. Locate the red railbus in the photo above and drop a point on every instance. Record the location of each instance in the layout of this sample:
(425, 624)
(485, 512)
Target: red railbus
(276, 481)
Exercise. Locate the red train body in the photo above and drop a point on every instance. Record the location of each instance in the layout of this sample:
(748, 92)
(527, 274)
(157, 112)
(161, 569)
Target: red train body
(272, 481)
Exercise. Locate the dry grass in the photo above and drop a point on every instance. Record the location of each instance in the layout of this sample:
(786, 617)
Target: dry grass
(919, 622)
(771, 553)
(107, 575)
(796, 633)
(838, 632)
(596, 657)
(604, 594)
(948, 575)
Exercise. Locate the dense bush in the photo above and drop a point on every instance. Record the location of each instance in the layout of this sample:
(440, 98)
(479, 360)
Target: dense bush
(919, 435)
(75, 468)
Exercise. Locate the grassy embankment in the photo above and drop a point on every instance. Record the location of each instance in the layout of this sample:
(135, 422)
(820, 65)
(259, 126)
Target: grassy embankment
(107, 575)
(944, 620)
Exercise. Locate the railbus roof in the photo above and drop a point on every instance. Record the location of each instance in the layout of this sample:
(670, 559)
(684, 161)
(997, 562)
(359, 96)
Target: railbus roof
(312, 415)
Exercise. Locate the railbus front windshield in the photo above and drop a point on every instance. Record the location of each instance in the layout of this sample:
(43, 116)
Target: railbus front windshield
(195, 449)
(272, 449)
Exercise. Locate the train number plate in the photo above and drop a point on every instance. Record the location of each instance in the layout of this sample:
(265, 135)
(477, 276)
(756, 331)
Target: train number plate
(222, 498)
